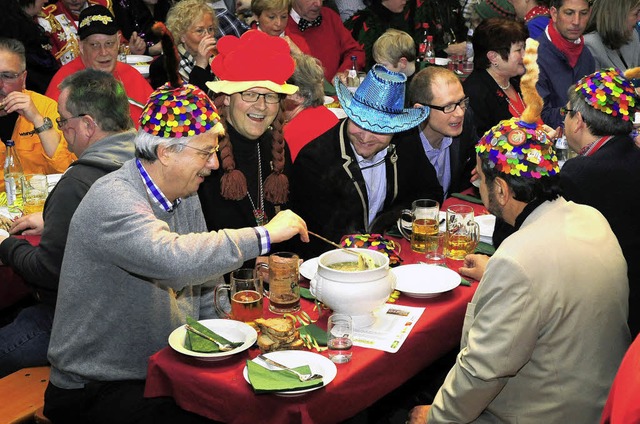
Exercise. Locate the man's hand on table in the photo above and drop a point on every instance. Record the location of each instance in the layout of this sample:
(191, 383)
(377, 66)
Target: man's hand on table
(418, 415)
(285, 225)
(29, 225)
(474, 266)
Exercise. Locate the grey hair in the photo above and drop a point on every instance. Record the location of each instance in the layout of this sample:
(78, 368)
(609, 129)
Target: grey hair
(309, 77)
(599, 123)
(16, 47)
(147, 145)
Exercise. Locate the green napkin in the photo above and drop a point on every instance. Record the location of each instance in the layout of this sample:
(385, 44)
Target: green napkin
(198, 343)
(470, 199)
(316, 332)
(306, 293)
(329, 89)
(264, 380)
(485, 248)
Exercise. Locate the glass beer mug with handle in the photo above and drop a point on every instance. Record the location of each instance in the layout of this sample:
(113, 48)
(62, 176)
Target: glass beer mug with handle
(424, 223)
(462, 233)
(245, 294)
(284, 287)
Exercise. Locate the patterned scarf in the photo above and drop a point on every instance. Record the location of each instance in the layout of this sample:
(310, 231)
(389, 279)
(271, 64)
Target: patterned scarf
(187, 62)
(303, 25)
(570, 49)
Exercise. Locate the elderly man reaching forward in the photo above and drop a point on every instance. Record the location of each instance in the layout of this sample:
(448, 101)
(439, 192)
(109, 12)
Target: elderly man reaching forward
(139, 260)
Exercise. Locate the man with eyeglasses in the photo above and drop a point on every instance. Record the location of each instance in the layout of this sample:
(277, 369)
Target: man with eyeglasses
(604, 174)
(139, 258)
(99, 43)
(26, 117)
(355, 178)
(448, 136)
(102, 138)
(252, 183)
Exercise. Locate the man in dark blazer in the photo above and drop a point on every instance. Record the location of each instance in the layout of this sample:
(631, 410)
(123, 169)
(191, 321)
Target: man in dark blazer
(448, 135)
(606, 172)
(353, 178)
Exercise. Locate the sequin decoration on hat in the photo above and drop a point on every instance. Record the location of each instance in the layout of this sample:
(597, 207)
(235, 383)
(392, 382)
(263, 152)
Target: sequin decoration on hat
(609, 92)
(518, 148)
(178, 112)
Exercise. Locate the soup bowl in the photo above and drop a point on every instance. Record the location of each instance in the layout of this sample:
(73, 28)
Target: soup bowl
(355, 293)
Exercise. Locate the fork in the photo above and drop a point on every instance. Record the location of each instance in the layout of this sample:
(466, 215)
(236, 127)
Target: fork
(222, 346)
(302, 377)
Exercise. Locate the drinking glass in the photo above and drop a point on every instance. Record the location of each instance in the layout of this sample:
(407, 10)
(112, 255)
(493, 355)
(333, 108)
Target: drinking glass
(462, 233)
(284, 287)
(34, 192)
(339, 338)
(245, 290)
(424, 223)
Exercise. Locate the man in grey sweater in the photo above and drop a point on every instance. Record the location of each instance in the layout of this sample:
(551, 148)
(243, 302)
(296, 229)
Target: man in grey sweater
(139, 260)
(102, 139)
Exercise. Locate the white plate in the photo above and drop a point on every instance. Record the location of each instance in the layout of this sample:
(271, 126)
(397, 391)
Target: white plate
(143, 69)
(296, 358)
(328, 100)
(4, 233)
(309, 268)
(339, 112)
(132, 59)
(234, 331)
(422, 280)
(52, 180)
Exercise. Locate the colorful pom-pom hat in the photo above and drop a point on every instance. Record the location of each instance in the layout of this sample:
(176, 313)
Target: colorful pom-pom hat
(256, 59)
(520, 146)
(378, 103)
(610, 92)
(184, 111)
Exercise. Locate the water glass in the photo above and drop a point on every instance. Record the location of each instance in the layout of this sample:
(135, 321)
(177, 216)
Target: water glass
(339, 338)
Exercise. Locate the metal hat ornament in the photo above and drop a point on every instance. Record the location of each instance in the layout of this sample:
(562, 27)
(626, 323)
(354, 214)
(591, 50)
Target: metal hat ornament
(176, 109)
(610, 92)
(378, 103)
(519, 146)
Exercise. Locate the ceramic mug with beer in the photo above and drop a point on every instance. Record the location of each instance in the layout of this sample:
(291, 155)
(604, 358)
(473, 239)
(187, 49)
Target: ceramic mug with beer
(424, 223)
(284, 287)
(245, 294)
(462, 233)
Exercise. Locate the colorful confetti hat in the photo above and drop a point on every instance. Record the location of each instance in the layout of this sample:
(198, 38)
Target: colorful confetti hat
(178, 112)
(610, 92)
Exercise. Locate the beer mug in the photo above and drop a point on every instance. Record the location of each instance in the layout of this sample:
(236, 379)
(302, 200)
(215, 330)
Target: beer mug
(245, 291)
(424, 223)
(462, 233)
(284, 288)
(35, 190)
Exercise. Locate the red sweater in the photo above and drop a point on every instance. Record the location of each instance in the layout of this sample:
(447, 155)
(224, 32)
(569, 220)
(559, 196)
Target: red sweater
(306, 126)
(136, 87)
(623, 404)
(330, 42)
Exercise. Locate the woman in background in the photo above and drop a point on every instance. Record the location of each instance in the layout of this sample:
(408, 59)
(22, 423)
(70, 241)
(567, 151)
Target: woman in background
(305, 115)
(272, 17)
(611, 37)
(193, 24)
(494, 85)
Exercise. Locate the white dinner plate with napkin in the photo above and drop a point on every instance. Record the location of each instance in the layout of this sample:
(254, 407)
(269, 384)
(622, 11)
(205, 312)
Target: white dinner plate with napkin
(424, 281)
(234, 331)
(296, 358)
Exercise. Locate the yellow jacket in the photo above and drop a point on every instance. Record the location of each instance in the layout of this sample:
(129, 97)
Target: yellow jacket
(32, 156)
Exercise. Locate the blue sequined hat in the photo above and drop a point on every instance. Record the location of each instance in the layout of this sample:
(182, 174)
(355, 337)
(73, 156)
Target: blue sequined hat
(378, 103)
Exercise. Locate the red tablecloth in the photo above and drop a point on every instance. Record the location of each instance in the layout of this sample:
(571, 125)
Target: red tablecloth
(218, 390)
(12, 285)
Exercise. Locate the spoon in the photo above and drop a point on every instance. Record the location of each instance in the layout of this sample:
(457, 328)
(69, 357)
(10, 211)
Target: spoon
(364, 261)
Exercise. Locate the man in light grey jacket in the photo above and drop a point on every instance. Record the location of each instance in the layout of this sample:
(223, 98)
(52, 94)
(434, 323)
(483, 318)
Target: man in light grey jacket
(139, 261)
(546, 329)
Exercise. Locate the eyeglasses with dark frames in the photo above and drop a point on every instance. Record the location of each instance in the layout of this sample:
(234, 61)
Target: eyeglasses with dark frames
(205, 154)
(10, 76)
(252, 97)
(61, 122)
(564, 111)
(464, 104)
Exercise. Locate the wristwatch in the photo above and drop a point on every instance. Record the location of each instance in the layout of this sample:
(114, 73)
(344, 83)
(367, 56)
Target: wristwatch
(47, 125)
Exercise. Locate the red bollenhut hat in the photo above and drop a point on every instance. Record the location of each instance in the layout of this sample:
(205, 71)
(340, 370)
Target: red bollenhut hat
(256, 59)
